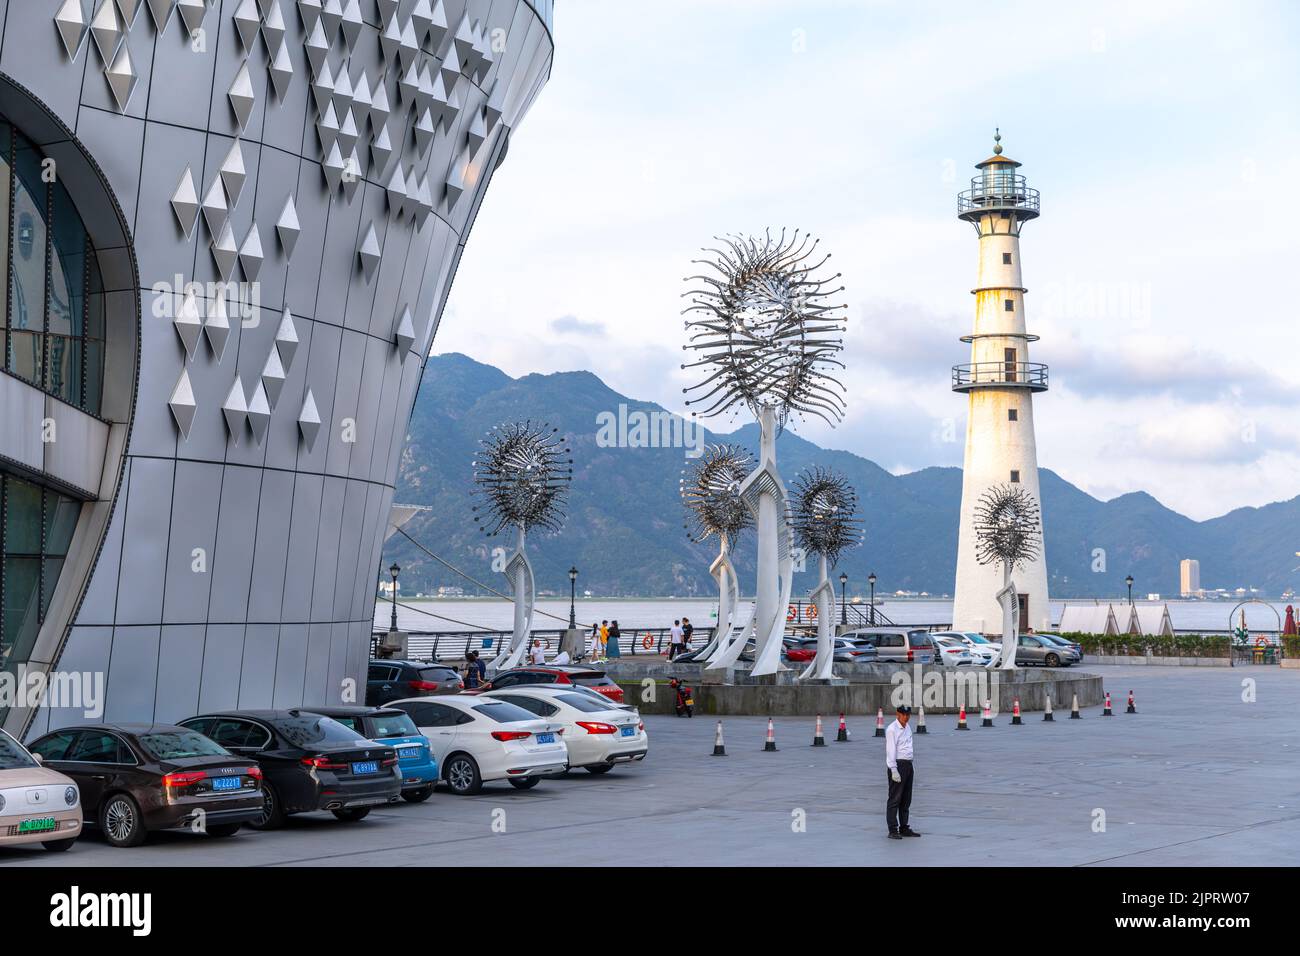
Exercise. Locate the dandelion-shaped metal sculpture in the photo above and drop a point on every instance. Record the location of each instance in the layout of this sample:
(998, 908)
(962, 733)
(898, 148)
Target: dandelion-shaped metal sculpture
(522, 472)
(1008, 530)
(767, 337)
(710, 491)
(823, 513)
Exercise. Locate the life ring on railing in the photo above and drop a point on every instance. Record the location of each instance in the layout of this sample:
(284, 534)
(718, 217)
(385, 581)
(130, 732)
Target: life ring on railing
(812, 612)
(1261, 641)
(791, 613)
(647, 642)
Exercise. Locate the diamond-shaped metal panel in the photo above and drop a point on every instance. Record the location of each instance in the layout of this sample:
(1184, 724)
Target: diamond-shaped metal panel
(369, 252)
(182, 404)
(287, 227)
(286, 340)
(185, 203)
(71, 23)
(242, 97)
(122, 78)
(309, 420)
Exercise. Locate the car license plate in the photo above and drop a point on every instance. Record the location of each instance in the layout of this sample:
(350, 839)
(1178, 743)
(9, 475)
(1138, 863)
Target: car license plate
(366, 766)
(38, 825)
(226, 783)
(546, 738)
(629, 731)
(408, 753)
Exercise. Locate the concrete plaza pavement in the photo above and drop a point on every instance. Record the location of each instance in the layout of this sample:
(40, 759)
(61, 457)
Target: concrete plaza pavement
(1197, 777)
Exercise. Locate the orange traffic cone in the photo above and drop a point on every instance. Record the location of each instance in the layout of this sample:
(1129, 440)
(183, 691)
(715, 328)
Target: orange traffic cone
(961, 719)
(1106, 711)
(1074, 708)
(843, 736)
(1047, 714)
(719, 748)
(1132, 709)
(770, 744)
(920, 721)
(1015, 711)
(880, 722)
(987, 720)
(819, 740)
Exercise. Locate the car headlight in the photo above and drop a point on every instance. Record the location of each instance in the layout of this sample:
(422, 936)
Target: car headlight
(70, 796)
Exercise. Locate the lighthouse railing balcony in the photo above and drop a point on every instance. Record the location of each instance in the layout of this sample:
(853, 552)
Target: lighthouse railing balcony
(1000, 192)
(1030, 375)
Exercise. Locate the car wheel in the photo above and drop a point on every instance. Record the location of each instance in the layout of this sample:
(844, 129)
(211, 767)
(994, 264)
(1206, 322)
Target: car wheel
(223, 830)
(58, 846)
(272, 810)
(601, 768)
(525, 783)
(418, 796)
(1051, 660)
(462, 775)
(352, 814)
(121, 821)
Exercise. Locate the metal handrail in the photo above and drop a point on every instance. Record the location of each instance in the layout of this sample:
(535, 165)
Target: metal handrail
(1001, 192)
(1000, 373)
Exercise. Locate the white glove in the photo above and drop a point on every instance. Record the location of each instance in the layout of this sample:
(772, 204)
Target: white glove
(893, 775)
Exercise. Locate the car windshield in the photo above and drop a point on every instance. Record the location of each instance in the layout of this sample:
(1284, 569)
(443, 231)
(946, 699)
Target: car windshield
(12, 754)
(395, 725)
(175, 744)
(502, 712)
(313, 729)
(435, 674)
(584, 704)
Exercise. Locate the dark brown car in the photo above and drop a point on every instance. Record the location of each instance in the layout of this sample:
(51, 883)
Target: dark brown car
(140, 777)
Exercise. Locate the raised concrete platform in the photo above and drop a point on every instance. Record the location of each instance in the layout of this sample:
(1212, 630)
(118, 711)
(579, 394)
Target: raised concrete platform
(865, 688)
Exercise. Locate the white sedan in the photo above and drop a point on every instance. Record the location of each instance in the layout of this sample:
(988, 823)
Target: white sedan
(477, 739)
(952, 651)
(984, 652)
(599, 734)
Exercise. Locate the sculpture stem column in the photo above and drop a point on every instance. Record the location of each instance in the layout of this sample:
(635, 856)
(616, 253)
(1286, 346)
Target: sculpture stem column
(1010, 602)
(520, 588)
(765, 520)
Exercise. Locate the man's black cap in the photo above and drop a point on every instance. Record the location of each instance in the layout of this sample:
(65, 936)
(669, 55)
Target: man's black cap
(903, 709)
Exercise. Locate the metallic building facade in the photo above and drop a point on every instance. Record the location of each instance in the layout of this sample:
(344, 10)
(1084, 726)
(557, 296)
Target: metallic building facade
(275, 195)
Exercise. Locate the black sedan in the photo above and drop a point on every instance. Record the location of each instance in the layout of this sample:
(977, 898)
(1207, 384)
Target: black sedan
(140, 777)
(310, 762)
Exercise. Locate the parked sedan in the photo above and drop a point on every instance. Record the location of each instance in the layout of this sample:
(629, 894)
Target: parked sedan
(952, 651)
(395, 728)
(37, 804)
(1032, 649)
(597, 680)
(477, 740)
(1073, 649)
(598, 735)
(135, 778)
(311, 762)
(396, 680)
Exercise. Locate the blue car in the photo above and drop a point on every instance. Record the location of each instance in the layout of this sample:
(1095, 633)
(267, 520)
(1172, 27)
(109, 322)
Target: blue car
(396, 729)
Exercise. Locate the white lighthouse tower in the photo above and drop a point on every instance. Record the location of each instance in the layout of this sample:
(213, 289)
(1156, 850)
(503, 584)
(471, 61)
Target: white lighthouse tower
(999, 383)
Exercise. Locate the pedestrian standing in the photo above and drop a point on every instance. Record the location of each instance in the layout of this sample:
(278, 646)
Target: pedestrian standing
(898, 765)
(687, 630)
(475, 670)
(593, 641)
(604, 639)
(614, 634)
(675, 640)
(539, 652)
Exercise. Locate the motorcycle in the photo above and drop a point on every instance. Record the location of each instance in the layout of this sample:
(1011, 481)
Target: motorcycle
(684, 703)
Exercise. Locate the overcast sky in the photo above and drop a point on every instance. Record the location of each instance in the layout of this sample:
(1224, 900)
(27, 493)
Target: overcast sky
(1164, 137)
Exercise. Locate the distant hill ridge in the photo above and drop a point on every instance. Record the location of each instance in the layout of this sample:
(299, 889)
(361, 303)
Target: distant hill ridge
(625, 532)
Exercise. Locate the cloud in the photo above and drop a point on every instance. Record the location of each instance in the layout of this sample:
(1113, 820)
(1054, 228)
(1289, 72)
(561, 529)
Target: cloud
(572, 325)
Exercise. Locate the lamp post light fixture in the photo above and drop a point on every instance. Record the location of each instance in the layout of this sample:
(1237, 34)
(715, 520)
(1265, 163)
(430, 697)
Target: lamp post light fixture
(573, 584)
(1129, 581)
(844, 604)
(394, 571)
(871, 608)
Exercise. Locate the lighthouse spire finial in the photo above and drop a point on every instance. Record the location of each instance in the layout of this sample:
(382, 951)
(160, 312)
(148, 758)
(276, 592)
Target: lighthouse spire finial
(997, 141)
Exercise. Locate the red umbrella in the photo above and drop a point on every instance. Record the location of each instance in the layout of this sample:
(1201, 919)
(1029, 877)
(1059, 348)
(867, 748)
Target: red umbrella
(1289, 626)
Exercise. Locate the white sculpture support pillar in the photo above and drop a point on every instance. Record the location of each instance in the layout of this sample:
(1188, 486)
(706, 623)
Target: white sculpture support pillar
(1010, 601)
(823, 596)
(766, 496)
(519, 573)
(724, 572)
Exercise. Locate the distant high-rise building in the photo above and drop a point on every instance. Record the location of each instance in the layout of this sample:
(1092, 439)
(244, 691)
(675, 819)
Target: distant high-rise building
(1189, 577)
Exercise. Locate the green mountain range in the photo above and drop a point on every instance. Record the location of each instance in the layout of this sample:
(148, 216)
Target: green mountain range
(625, 524)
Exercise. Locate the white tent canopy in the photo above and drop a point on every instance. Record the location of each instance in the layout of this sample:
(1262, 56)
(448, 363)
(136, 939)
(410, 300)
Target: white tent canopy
(1088, 619)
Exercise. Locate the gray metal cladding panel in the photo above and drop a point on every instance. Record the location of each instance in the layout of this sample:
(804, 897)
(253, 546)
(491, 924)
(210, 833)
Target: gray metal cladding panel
(195, 507)
(116, 142)
(248, 362)
(347, 391)
(378, 504)
(338, 664)
(32, 47)
(161, 249)
(380, 363)
(290, 666)
(153, 431)
(86, 652)
(132, 673)
(300, 560)
(343, 279)
(188, 71)
(232, 568)
(313, 207)
(144, 542)
(361, 296)
(322, 372)
(284, 444)
(99, 605)
(329, 520)
(180, 660)
(261, 648)
(316, 682)
(271, 554)
(223, 658)
(350, 531)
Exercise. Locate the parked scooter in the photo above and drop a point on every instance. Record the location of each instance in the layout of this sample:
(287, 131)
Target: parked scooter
(684, 703)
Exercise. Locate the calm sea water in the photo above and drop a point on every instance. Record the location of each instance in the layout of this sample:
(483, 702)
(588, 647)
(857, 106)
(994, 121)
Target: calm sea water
(453, 614)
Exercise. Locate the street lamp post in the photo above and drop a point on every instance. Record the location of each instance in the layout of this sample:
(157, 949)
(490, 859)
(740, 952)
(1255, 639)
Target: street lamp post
(871, 608)
(394, 571)
(573, 584)
(1129, 581)
(844, 607)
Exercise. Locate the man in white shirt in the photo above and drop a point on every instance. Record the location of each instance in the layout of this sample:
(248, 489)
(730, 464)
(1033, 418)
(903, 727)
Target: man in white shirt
(898, 763)
(675, 639)
(539, 652)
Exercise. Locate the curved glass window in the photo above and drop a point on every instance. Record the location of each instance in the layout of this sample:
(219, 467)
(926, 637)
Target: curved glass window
(36, 526)
(51, 313)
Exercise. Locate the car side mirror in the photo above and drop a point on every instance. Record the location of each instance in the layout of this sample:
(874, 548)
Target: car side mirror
(38, 758)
